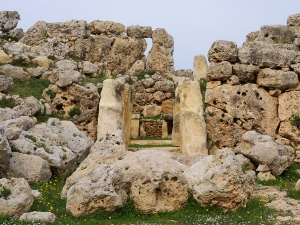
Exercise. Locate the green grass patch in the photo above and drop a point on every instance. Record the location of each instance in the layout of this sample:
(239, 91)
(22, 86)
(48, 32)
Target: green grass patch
(43, 118)
(295, 120)
(30, 137)
(74, 111)
(141, 75)
(32, 87)
(286, 181)
(4, 192)
(23, 64)
(50, 201)
(7, 102)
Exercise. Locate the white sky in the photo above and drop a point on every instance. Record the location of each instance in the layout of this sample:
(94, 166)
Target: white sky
(194, 24)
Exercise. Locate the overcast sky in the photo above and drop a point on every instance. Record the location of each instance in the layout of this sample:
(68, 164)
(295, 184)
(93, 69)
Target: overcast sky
(194, 24)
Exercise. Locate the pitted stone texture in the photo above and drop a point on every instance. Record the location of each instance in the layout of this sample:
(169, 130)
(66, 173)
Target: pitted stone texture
(4, 58)
(219, 71)
(46, 217)
(31, 167)
(65, 77)
(289, 105)
(8, 20)
(14, 127)
(66, 65)
(223, 51)
(293, 23)
(5, 83)
(28, 106)
(101, 189)
(106, 27)
(276, 34)
(139, 31)
(152, 111)
(20, 199)
(137, 68)
(160, 58)
(219, 180)
(277, 79)
(245, 107)
(14, 72)
(263, 149)
(245, 73)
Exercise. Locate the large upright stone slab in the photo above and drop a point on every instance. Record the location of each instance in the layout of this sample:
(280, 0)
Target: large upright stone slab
(200, 67)
(192, 123)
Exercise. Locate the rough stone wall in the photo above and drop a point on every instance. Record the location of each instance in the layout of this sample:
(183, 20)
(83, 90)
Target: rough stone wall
(255, 87)
(153, 128)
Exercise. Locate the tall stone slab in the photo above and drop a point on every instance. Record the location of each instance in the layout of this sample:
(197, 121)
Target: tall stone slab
(114, 108)
(192, 123)
(200, 67)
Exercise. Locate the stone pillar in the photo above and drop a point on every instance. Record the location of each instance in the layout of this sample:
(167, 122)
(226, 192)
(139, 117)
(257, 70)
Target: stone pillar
(135, 125)
(176, 120)
(114, 109)
(200, 67)
(164, 129)
(192, 125)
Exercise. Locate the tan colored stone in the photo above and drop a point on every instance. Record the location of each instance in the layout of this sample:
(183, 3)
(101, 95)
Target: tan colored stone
(223, 51)
(4, 58)
(288, 105)
(106, 27)
(192, 123)
(287, 130)
(219, 71)
(43, 61)
(164, 130)
(136, 68)
(200, 67)
(135, 125)
(167, 106)
(139, 31)
(265, 176)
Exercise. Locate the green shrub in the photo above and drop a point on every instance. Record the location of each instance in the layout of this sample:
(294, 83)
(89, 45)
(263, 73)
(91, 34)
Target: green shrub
(74, 111)
(7, 102)
(52, 57)
(23, 64)
(30, 137)
(4, 192)
(51, 94)
(203, 84)
(295, 121)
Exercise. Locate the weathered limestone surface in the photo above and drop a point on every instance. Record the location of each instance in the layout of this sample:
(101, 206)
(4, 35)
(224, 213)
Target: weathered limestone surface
(245, 73)
(192, 123)
(4, 58)
(5, 83)
(46, 217)
(293, 23)
(106, 27)
(5, 154)
(219, 180)
(14, 72)
(139, 31)
(245, 107)
(223, 51)
(219, 71)
(262, 149)
(8, 20)
(200, 67)
(20, 199)
(276, 34)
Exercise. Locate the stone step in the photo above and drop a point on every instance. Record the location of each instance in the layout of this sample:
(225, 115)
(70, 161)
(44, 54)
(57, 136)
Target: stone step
(151, 142)
(170, 149)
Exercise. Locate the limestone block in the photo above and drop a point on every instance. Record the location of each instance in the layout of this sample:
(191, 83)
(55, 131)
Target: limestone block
(36, 72)
(297, 186)
(136, 68)
(276, 34)
(288, 105)
(167, 106)
(293, 23)
(248, 106)
(5, 154)
(219, 180)
(262, 149)
(200, 67)
(164, 130)
(139, 31)
(176, 136)
(28, 106)
(14, 127)
(219, 71)
(66, 65)
(4, 58)
(159, 96)
(135, 125)
(43, 61)
(46, 217)
(148, 82)
(277, 79)
(5, 83)
(8, 20)
(17, 33)
(14, 72)
(223, 51)
(106, 27)
(184, 73)
(267, 55)
(65, 77)
(252, 36)
(152, 111)
(20, 199)
(36, 34)
(31, 167)
(296, 68)
(287, 130)
(245, 73)
(265, 176)
(192, 123)
(164, 86)
(53, 47)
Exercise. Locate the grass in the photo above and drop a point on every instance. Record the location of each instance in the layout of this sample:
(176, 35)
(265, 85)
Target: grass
(4, 191)
(7, 102)
(32, 87)
(295, 121)
(141, 75)
(286, 181)
(50, 201)
(23, 64)
(74, 111)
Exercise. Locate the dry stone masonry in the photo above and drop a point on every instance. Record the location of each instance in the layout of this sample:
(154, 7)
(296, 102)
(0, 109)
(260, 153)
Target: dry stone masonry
(239, 113)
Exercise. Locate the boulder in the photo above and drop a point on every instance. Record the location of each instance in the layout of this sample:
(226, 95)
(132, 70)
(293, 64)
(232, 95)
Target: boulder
(293, 23)
(265, 176)
(5, 83)
(100, 189)
(263, 149)
(4, 58)
(137, 68)
(31, 167)
(16, 33)
(36, 34)
(53, 48)
(43, 61)
(152, 111)
(287, 130)
(36, 72)
(296, 68)
(14, 72)
(239, 108)
(139, 32)
(7, 114)
(245, 73)
(276, 34)
(66, 65)
(159, 96)
(200, 67)
(16, 48)
(28, 106)
(297, 186)
(184, 73)
(46, 217)
(164, 86)
(277, 79)
(219, 180)
(8, 20)
(219, 71)
(97, 27)
(160, 58)
(167, 106)
(89, 68)
(5, 154)
(63, 78)
(148, 82)
(288, 105)
(268, 55)
(20, 198)
(14, 127)
(223, 51)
